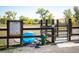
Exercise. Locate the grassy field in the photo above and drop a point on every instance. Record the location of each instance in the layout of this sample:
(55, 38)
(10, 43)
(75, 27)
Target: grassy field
(2, 42)
(3, 26)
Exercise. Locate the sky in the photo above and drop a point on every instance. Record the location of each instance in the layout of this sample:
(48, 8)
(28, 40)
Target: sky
(30, 11)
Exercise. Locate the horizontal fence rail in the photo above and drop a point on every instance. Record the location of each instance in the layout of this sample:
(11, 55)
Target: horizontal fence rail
(3, 37)
(75, 27)
(3, 29)
(74, 34)
(19, 36)
(37, 28)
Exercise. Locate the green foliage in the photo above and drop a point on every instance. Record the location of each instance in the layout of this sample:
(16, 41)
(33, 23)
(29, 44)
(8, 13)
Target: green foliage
(11, 15)
(76, 10)
(42, 12)
(35, 21)
(3, 20)
(49, 18)
(74, 21)
(30, 21)
(27, 20)
(23, 18)
(68, 15)
(45, 14)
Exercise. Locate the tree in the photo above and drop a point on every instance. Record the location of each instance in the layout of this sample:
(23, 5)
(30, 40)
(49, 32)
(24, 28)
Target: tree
(3, 20)
(74, 21)
(30, 21)
(76, 10)
(68, 14)
(14, 15)
(42, 12)
(0, 19)
(23, 18)
(49, 17)
(35, 21)
(11, 15)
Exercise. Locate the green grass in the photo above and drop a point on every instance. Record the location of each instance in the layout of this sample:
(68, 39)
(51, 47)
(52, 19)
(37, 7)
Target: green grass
(3, 33)
(3, 25)
(2, 42)
(37, 32)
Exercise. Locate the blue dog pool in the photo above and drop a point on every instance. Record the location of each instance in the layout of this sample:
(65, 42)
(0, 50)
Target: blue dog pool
(30, 39)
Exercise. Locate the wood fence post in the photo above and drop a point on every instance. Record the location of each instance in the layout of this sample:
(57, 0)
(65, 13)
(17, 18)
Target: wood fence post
(46, 25)
(41, 26)
(57, 27)
(53, 32)
(8, 33)
(69, 29)
(21, 29)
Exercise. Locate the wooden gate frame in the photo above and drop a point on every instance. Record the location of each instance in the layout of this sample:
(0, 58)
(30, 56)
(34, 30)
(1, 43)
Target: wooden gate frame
(53, 36)
(8, 31)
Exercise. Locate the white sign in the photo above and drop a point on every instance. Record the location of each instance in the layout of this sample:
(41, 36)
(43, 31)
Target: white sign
(14, 28)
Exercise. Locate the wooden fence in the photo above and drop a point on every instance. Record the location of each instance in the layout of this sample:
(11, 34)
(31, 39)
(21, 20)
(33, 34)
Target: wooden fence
(54, 31)
(21, 32)
(69, 29)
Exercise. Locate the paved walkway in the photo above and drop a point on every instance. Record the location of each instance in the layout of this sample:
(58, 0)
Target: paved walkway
(67, 47)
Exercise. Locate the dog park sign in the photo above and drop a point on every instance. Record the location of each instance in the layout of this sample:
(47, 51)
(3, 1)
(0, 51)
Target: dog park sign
(14, 27)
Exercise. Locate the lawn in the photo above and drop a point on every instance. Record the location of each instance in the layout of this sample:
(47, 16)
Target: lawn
(2, 42)
(3, 26)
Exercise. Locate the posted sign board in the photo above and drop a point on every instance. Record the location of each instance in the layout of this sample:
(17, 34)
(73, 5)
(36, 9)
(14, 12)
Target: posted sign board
(14, 28)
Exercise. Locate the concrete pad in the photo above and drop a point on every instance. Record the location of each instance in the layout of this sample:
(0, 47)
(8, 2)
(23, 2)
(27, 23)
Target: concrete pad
(67, 44)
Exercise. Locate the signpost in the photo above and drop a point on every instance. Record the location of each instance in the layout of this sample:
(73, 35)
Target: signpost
(14, 28)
